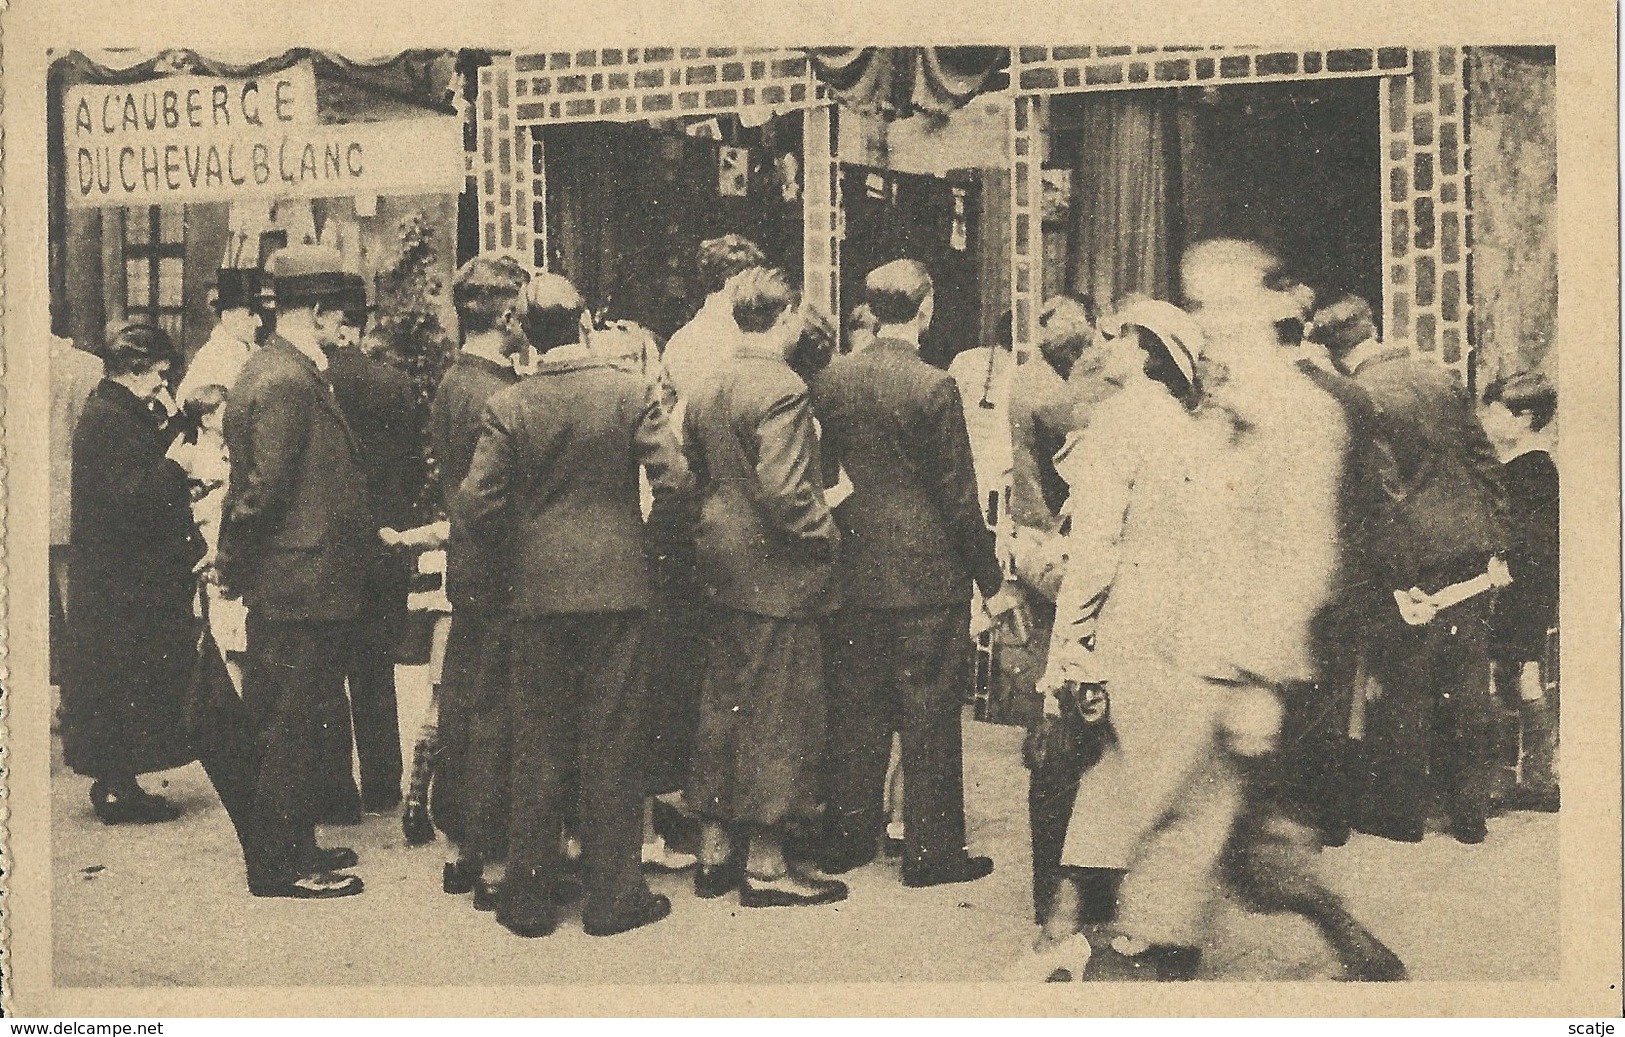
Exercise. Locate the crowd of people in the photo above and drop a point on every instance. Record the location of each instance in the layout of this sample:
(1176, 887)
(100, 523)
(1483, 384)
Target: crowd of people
(1265, 580)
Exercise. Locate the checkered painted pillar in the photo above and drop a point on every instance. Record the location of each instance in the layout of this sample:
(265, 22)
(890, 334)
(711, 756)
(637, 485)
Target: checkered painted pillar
(1026, 224)
(821, 212)
(503, 172)
(1427, 236)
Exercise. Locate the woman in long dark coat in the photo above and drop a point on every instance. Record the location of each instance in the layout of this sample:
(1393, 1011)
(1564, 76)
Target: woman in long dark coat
(132, 629)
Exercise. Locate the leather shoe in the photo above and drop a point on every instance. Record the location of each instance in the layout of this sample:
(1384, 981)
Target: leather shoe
(486, 894)
(458, 877)
(715, 880)
(651, 911)
(1388, 828)
(416, 826)
(1469, 830)
(790, 890)
(1536, 800)
(524, 907)
(844, 855)
(1159, 963)
(139, 808)
(334, 858)
(321, 885)
(965, 869)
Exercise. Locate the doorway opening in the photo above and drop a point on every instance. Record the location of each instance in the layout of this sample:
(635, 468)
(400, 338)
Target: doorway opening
(629, 203)
(1134, 177)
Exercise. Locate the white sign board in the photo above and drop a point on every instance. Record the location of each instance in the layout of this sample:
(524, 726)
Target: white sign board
(198, 139)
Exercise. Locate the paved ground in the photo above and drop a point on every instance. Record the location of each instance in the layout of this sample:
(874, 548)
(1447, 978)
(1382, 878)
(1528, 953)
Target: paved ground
(165, 905)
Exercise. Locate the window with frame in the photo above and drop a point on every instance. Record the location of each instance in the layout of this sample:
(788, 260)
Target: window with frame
(155, 266)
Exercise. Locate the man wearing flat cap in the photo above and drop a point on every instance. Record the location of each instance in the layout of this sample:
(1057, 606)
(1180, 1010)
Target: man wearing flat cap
(295, 538)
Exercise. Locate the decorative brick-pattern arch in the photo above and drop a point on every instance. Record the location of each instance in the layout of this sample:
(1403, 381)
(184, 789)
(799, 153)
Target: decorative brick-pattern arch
(1026, 223)
(1427, 238)
(1064, 70)
(502, 173)
(1427, 233)
(520, 93)
(821, 212)
(631, 83)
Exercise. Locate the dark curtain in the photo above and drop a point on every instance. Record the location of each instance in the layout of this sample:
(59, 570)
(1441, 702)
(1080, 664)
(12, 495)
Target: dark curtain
(896, 82)
(1127, 194)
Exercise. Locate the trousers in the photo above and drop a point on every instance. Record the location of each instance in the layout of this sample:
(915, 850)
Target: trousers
(577, 685)
(1435, 718)
(910, 664)
(370, 676)
(293, 690)
(471, 790)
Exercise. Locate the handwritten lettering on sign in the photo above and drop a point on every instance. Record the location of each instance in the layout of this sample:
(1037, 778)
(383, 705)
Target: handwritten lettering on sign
(196, 139)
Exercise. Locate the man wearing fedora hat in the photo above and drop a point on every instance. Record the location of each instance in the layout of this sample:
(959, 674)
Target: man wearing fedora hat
(296, 535)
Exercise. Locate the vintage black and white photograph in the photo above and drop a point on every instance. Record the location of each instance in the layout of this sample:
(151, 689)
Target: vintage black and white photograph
(712, 514)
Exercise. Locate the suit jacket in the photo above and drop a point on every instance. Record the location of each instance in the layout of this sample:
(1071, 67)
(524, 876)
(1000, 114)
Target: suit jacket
(380, 404)
(1373, 557)
(1450, 511)
(297, 530)
(1528, 608)
(766, 540)
(553, 487)
(455, 421)
(1043, 412)
(913, 534)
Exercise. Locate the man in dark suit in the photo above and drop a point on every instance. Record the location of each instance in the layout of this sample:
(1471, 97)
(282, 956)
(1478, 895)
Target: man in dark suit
(379, 402)
(553, 491)
(1446, 520)
(471, 788)
(914, 542)
(295, 536)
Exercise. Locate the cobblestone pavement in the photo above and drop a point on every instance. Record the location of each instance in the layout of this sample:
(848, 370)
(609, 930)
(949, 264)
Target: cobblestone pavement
(165, 905)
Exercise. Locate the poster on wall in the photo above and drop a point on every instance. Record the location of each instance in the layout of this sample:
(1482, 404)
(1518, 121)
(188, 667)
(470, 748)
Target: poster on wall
(733, 172)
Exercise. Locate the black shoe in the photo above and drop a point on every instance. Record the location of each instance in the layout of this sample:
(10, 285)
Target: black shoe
(416, 826)
(846, 855)
(334, 858)
(1469, 830)
(893, 847)
(965, 869)
(458, 877)
(131, 808)
(1389, 828)
(1162, 963)
(486, 894)
(323, 885)
(1335, 834)
(1536, 800)
(715, 880)
(524, 906)
(651, 911)
(790, 890)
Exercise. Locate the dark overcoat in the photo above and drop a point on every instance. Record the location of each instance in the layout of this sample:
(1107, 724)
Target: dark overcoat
(132, 630)
(297, 531)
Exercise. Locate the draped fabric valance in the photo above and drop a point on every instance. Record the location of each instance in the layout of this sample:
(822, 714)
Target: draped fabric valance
(896, 82)
(419, 78)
